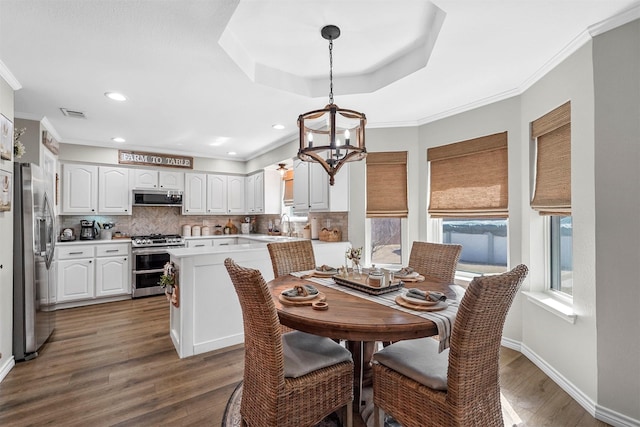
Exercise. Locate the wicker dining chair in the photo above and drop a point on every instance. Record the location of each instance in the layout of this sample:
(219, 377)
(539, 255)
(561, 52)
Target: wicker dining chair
(418, 386)
(287, 257)
(436, 260)
(294, 379)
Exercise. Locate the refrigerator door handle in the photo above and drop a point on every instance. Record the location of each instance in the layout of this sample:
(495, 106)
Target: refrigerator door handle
(50, 235)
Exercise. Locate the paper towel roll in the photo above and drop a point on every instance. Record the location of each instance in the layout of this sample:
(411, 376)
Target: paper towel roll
(314, 228)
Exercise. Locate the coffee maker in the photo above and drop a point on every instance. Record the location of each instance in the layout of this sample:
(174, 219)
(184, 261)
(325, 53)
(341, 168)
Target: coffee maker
(88, 230)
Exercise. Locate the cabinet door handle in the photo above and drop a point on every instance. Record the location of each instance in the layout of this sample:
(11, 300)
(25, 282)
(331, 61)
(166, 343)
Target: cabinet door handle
(223, 244)
(76, 253)
(112, 250)
(90, 261)
(198, 246)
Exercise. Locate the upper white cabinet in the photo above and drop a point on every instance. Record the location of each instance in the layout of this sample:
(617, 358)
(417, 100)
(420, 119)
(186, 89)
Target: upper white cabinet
(235, 194)
(79, 189)
(217, 190)
(224, 194)
(263, 192)
(114, 196)
(312, 192)
(194, 200)
(157, 180)
(90, 190)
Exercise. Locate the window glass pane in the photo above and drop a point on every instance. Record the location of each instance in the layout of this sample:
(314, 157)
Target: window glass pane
(484, 243)
(562, 254)
(386, 243)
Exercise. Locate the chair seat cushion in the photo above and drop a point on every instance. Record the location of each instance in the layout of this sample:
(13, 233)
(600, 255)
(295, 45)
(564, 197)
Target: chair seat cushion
(305, 353)
(417, 359)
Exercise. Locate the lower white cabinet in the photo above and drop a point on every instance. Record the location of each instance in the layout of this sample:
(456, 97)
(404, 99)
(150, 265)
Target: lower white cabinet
(76, 279)
(112, 270)
(92, 271)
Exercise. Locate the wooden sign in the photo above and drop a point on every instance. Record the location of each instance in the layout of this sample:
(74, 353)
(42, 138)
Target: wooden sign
(154, 159)
(49, 142)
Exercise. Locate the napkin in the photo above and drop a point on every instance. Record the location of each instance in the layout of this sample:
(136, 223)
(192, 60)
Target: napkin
(406, 273)
(325, 268)
(294, 292)
(426, 295)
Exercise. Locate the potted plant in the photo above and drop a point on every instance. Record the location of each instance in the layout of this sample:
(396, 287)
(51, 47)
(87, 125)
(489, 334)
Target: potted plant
(168, 278)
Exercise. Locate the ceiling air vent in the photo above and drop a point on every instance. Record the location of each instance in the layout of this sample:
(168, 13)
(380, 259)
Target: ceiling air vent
(74, 114)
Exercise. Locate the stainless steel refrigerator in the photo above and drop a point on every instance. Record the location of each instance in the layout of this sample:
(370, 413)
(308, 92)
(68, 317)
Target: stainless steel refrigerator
(34, 240)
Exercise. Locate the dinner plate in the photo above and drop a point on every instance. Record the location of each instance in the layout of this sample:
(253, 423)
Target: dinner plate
(323, 273)
(418, 300)
(299, 298)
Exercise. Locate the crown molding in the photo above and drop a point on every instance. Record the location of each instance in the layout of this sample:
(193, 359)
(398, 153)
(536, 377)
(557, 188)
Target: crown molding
(8, 76)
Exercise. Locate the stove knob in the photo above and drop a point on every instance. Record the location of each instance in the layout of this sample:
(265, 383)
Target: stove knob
(137, 241)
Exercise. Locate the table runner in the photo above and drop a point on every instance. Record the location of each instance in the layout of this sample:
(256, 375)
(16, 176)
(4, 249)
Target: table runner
(443, 319)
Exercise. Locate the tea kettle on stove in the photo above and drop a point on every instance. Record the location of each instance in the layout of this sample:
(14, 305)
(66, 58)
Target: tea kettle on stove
(88, 230)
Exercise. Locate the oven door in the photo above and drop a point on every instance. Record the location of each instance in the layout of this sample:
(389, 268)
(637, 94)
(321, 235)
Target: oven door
(148, 266)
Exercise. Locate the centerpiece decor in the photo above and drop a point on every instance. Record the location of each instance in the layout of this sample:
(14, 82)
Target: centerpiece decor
(354, 254)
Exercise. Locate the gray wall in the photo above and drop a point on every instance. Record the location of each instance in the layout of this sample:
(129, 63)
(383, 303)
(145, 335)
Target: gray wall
(617, 202)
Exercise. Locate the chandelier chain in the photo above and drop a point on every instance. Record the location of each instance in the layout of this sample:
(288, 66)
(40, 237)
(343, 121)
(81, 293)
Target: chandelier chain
(331, 71)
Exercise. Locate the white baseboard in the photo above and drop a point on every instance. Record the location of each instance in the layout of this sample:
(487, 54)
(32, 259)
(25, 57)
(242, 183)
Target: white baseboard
(4, 370)
(599, 412)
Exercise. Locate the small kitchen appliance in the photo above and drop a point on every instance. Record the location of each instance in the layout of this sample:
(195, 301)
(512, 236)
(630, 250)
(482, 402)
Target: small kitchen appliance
(88, 230)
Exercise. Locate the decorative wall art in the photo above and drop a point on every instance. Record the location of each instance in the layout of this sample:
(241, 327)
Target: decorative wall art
(6, 138)
(5, 191)
(50, 142)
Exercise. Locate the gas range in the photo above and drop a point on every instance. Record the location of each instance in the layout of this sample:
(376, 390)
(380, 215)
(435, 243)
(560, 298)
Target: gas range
(154, 240)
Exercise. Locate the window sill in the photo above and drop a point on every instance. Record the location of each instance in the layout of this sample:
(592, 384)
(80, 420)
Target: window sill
(560, 308)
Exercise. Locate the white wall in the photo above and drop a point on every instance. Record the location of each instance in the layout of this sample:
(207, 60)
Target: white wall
(6, 252)
(617, 215)
(569, 348)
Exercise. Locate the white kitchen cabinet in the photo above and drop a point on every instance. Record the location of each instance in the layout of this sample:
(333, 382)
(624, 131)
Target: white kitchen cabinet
(171, 180)
(157, 180)
(217, 191)
(312, 192)
(194, 200)
(199, 243)
(235, 194)
(79, 189)
(76, 273)
(112, 270)
(225, 194)
(88, 272)
(225, 241)
(114, 196)
(263, 192)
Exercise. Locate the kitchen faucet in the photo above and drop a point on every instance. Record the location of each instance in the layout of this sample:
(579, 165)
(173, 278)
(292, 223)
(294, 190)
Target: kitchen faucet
(288, 223)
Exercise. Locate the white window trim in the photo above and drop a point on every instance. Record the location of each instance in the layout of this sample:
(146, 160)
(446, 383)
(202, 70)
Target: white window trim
(555, 302)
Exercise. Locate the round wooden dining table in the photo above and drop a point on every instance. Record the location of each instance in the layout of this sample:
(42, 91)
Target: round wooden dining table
(356, 320)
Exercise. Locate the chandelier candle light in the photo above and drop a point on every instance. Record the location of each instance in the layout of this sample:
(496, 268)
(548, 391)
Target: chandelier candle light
(321, 130)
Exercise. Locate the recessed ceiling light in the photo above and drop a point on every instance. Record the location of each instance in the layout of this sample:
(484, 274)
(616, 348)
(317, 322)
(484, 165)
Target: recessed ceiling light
(232, 153)
(118, 139)
(115, 96)
(278, 126)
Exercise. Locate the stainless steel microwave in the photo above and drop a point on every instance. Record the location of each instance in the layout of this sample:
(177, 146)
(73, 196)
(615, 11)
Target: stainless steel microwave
(157, 198)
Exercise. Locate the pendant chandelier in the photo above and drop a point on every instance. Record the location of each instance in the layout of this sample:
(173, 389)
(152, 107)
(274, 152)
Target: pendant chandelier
(331, 136)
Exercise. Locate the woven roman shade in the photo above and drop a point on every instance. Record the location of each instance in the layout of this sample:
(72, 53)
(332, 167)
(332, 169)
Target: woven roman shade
(469, 179)
(552, 132)
(288, 188)
(387, 185)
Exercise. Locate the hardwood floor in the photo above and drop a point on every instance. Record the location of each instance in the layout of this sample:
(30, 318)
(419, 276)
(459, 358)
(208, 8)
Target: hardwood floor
(114, 365)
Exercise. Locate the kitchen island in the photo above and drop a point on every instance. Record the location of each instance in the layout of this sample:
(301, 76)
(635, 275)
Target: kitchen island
(208, 315)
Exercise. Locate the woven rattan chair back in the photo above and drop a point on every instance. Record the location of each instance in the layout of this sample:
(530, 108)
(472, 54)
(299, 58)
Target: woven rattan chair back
(474, 355)
(436, 260)
(472, 398)
(268, 397)
(287, 257)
